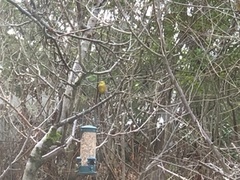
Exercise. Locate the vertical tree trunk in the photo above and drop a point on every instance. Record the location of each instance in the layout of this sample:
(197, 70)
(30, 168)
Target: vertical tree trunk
(34, 161)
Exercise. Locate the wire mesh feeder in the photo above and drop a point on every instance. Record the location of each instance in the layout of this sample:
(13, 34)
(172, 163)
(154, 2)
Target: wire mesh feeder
(87, 160)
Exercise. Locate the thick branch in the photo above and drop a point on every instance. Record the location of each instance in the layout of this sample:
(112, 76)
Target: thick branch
(79, 115)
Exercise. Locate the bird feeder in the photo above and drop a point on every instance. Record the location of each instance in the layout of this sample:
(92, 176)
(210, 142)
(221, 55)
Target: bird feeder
(87, 160)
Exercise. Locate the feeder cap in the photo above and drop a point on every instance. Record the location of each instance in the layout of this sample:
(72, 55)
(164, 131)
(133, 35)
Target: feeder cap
(88, 128)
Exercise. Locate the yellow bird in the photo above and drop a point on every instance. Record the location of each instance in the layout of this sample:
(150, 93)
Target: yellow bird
(102, 88)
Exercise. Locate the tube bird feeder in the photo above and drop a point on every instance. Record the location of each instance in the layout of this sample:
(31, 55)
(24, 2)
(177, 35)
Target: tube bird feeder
(87, 160)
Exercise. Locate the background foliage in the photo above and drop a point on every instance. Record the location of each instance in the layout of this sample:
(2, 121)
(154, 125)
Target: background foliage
(144, 130)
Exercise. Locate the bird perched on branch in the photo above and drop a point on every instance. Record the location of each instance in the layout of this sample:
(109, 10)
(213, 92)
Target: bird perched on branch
(100, 113)
(102, 88)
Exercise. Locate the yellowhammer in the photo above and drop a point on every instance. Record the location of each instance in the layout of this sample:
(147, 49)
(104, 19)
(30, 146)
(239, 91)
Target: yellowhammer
(102, 87)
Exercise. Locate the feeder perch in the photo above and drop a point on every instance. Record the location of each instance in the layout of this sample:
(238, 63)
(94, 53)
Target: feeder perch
(87, 160)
